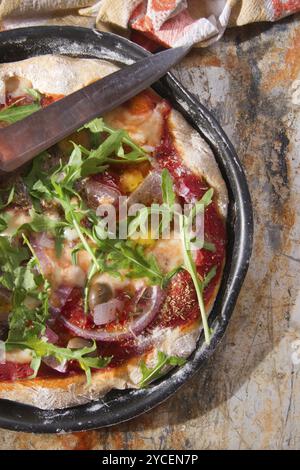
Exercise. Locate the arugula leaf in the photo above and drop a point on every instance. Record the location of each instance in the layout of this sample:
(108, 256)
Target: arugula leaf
(27, 324)
(165, 210)
(24, 281)
(119, 137)
(42, 348)
(86, 363)
(97, 159)
(140, 222)
(95, 126)
(9, 199)
(34, 94)
(3, 224)
(170, 275)
(73, 169)
(10, 258)
(209, 277)
(185, 222)
(168, 193)
(41, 223)
(124, 254)
(150, 374)
(36, 171)
(25, 278)
(40, 190)
(15, 113)
(209, 246)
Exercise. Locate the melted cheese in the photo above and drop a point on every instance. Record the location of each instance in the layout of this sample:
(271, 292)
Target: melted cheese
(15, 219)
(72, 276)
(20, 356)
(168, 253)
(62, 271)
(117, 283)
(145, 127)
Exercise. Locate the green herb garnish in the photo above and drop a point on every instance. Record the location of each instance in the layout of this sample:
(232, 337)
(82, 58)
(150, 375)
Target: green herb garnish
(119, 139)
(27, 324)
(168, 211)
(14, 112)
(36, 95)
(106, 255)
(9, 199)
(41, 348)
(150, 374)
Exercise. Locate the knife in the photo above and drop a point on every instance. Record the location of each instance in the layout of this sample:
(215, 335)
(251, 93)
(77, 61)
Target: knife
(23, 140)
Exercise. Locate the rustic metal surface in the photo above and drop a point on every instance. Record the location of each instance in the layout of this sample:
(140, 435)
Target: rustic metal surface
(248, 395)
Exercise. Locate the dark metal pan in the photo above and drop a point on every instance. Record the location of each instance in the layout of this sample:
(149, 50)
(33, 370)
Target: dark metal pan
(118, 406)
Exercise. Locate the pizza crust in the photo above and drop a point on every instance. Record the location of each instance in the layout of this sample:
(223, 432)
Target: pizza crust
(55, 393)
(63, 75)
(198, 156)
(57, 75)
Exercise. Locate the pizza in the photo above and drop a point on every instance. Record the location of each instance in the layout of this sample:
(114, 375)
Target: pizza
(92, 297)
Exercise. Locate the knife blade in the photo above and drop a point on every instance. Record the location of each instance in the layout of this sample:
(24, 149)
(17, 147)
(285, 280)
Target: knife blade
(23, 140)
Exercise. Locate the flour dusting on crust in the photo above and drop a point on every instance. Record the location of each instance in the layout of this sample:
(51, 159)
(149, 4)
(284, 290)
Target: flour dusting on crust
(56, 74)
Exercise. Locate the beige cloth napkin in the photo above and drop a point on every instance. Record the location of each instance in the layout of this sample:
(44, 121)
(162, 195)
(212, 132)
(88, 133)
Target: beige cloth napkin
(27, 7)
(168, 22)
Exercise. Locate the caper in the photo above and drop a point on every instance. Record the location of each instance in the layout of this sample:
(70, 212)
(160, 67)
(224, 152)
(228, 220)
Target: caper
(99, 294)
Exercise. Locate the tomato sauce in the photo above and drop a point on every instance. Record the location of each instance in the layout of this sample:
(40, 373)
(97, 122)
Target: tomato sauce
(191, 188)
(13, 371)
(27, 99)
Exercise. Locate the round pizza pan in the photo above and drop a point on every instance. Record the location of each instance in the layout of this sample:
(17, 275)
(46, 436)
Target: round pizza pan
(118, 406)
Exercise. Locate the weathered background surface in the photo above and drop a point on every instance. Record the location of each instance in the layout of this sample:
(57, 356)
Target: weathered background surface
(248, 395)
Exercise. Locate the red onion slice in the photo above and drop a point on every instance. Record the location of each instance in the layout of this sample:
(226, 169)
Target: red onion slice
(149, 303)
(98, 193)
(37, 242)
(50, 335)
(54, 364)
(107, 312)
(184, 191)
(51, 361)
(2, 352)
(148, 192)
(58, 299)
(152, 301)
